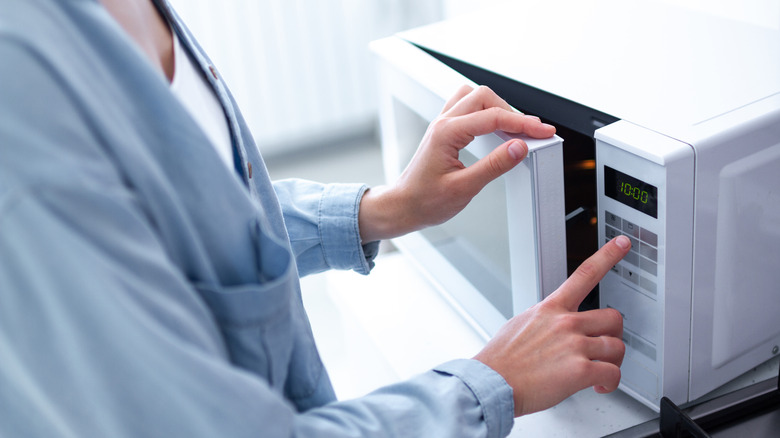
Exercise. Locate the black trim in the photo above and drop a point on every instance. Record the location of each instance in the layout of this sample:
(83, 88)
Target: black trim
(531, 100)
(674, 422)
(747, 411)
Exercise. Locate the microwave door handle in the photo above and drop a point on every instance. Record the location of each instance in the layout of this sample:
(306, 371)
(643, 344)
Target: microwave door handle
(544, 181)
(535, 205)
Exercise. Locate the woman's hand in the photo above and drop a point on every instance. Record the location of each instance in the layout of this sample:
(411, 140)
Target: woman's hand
(436, 185)
(551, 351)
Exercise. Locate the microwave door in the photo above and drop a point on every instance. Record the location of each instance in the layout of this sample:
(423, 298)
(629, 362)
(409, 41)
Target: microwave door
(507, 249)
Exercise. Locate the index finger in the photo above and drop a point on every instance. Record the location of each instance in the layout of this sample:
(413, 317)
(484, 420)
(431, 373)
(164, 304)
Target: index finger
(497, 119)
(590, 272)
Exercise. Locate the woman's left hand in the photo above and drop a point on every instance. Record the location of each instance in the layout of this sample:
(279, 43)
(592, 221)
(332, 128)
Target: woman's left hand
(436, 185)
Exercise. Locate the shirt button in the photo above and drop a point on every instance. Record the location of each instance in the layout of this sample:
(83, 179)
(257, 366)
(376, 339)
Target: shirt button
(249, 170)
(213, 72)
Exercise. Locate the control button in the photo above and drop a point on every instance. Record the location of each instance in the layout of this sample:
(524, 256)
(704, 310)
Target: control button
(631, 229)
(648, 285)
(631, 275)
(612, 219)
(627, 338)
(648, 266)
(648, 236)
(648, 251)
(643, 347)
(632, 258)
(611, 232)
(616, 269)
(634, 245)
(621, 313)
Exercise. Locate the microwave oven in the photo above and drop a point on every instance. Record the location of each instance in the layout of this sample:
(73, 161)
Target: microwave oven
(668, 131)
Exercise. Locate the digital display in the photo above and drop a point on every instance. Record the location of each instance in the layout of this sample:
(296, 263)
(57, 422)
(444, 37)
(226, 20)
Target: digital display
(633, 192)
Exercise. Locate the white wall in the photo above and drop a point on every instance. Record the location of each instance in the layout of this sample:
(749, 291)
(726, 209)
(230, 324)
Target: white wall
(301, 70)
(760, 12)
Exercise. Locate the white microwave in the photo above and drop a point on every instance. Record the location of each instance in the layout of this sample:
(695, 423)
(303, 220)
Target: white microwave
(669, 132)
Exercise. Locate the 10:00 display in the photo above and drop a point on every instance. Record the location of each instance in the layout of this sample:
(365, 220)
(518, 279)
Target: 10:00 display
(635, 192)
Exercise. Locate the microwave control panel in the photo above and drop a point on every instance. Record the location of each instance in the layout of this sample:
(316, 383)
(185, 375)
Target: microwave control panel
(631, 203)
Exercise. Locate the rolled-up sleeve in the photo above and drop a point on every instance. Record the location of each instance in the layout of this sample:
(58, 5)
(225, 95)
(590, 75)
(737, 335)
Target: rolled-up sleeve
(495, 396)
(322, 221)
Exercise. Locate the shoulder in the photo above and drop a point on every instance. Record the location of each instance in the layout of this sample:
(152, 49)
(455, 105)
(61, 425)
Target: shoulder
(70, 76)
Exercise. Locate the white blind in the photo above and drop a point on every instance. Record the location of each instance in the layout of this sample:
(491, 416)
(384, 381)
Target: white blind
(301, 70)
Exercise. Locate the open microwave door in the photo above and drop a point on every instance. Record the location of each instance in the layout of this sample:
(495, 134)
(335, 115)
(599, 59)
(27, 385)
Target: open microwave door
(507, 249)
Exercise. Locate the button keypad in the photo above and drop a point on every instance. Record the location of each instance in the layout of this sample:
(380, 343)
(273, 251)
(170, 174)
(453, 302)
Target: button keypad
(630, 229)
(613, 219)
(649, 267)
(632, 258)
(648, 251)
(648, 236)
(641, 263)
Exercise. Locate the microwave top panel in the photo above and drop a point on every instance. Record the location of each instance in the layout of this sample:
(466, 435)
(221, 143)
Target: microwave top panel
(654, 64)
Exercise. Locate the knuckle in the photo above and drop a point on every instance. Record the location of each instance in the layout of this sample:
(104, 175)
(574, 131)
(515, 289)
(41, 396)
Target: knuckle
(496, 116)
(465, 88)
(614, 346)
(581, 369)
(549, 306)
(567, 322)
(496, 111)
(439, 125)
(483, 90)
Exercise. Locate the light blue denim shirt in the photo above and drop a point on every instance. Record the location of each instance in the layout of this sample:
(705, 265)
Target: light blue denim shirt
(146, 289)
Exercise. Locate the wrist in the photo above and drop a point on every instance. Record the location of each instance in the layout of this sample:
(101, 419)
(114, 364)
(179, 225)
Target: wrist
(382, 215)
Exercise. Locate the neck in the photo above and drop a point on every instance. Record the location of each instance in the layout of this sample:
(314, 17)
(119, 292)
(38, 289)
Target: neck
(141, 20)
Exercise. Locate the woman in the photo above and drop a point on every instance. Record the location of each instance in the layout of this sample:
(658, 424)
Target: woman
(149, 268)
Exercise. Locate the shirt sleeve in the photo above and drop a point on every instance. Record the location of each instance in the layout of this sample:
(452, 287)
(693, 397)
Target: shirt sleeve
(322, 221)
(101, 336)
(461, 398)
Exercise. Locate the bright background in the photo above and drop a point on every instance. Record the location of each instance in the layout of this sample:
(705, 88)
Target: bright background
(301, 69)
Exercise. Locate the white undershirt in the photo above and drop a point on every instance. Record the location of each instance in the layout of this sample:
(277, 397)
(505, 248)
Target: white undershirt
(198, 97)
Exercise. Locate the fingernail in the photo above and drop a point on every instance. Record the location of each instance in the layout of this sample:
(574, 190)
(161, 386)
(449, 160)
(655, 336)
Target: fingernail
(622, 242)
(516, 150)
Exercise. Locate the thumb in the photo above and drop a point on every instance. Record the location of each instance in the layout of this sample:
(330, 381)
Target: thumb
(499, 161)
